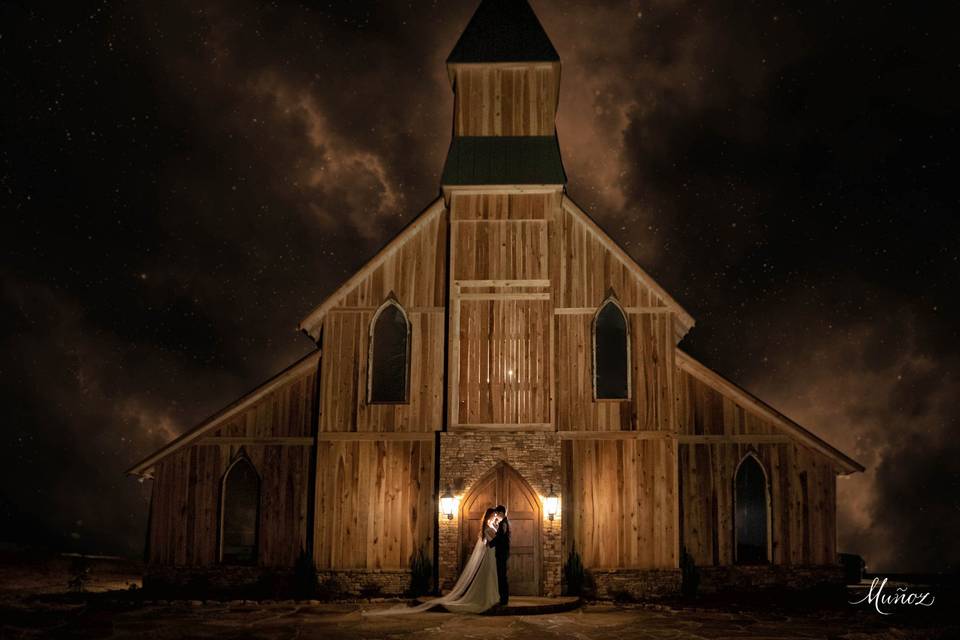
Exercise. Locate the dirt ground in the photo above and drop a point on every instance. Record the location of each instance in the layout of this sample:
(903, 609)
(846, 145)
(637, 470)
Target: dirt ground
(107, 618)
(37, 605)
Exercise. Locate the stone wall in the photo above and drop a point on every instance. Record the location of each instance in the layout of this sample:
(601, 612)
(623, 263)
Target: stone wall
(367, 583)
(466, 457)
(747, 577)
(632, 584)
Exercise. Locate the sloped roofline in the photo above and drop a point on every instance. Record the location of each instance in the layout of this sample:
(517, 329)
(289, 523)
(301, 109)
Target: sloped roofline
(311, 323)
(686, 320)
(717, 382)
(218, 418)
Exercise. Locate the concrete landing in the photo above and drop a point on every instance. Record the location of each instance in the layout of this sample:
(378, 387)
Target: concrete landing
(528, 606)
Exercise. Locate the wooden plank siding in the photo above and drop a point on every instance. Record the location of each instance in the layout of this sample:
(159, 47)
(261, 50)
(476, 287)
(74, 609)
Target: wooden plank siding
(343, 377)
(802, 530)
(650, 406)
(501, 350)
(505, 99)
(620, 502)
(374, 503)
(186, 491)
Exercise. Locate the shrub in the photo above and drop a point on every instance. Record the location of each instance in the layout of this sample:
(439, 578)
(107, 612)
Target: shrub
(574, 574)
(690, 576)
(421, 573)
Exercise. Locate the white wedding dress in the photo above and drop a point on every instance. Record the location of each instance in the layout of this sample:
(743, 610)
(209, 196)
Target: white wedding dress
(476, 588)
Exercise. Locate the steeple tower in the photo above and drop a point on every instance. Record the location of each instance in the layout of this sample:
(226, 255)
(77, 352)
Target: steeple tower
(506, 82)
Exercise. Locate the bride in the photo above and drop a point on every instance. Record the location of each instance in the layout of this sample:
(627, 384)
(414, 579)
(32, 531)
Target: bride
(476, 588)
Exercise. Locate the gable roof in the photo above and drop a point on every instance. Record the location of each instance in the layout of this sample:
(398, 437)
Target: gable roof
(503, 31)
(717, 382)
(685, 319)
(311, 323)
(243, 402)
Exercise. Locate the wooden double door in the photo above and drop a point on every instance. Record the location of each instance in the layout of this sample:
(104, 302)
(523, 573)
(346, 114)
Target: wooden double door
(505, 486)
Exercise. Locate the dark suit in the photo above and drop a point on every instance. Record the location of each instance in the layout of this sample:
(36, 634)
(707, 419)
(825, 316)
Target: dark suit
(501, 546)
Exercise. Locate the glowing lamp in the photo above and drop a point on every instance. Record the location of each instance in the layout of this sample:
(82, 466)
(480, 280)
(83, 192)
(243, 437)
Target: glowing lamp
(552, 504)
(447, 502)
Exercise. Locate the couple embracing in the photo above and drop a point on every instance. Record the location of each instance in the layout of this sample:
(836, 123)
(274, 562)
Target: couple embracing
(483, 582)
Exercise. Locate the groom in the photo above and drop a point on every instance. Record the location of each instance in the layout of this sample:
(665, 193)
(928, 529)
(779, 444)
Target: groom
(501, 544)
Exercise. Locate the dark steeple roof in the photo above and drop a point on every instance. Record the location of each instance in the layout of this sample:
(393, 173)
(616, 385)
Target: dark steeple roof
(503, 31)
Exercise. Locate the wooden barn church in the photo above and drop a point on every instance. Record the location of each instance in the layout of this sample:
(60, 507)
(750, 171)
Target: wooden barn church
(501, 349)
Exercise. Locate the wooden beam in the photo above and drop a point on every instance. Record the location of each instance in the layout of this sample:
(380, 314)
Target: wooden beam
(375, 436)
(283, 441)
(759, 438)
(299, 367)
(501, 427)
(616, 435)
(569, 205)
(311, 323)
(751, 402)
(504, 296)
(410, 311)
(576, 311)
(501, 283)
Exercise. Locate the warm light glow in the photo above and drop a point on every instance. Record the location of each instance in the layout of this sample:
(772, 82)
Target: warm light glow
(551, 504)
(448, 504)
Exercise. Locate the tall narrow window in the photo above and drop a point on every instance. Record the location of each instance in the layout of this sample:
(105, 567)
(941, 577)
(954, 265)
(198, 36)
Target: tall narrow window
(751, 512)
(240, 513)
(611, 353)
(389, 353)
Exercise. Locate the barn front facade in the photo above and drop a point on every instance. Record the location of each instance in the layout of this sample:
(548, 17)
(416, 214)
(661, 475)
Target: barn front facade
(502, 349)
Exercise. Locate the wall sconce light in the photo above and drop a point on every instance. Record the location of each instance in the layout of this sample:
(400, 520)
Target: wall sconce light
(447, 503)
(552, 504)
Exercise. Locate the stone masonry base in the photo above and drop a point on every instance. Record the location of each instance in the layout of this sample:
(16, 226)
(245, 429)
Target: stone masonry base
(750, 577)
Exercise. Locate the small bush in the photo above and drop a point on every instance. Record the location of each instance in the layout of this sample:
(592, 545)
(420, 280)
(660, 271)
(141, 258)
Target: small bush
(330, 589)
(304, 577)
(421, 574)
(574, 574)
(689, 575)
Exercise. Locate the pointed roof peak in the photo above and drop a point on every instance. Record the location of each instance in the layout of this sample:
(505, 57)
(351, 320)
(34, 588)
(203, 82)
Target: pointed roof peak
(503, 31)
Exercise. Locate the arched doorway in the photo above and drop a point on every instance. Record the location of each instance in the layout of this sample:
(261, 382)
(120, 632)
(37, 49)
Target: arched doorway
(503, 485)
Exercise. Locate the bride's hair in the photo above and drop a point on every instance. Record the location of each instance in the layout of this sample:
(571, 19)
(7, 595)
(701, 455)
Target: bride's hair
(486, 518)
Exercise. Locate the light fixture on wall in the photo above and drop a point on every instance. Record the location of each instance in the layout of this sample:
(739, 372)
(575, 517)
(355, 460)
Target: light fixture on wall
(447, 502)
(552, 504)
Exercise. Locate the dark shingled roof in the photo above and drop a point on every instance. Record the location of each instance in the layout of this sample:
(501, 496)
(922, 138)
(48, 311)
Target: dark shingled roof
(503, 31)
(476, 160)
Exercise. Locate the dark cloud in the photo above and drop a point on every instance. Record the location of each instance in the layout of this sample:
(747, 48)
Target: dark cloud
(182, 182)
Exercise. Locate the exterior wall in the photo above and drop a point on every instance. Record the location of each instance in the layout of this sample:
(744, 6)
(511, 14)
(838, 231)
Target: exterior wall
(620, 510)
(584, 271)
(375, 504)
(415, 273)
(186, 491)
(505, 100)
(467, 457)
(801, 482)
(500, 350)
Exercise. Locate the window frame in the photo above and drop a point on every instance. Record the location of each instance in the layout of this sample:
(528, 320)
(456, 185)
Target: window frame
(370, 343)
(241, 457)
(767, 504)
(611, 299)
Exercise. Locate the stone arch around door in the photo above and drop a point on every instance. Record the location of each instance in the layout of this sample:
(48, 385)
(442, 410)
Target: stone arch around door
(503, 485)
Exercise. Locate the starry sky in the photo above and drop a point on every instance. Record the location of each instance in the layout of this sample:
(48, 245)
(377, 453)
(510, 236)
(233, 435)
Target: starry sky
(182, 181)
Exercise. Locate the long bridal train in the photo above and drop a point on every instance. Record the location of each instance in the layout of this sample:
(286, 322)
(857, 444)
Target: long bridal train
(475, 590)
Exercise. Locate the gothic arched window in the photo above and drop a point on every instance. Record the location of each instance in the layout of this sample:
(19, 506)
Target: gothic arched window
(751, 515)
(611, 353)
(389, 354)
(239, 513)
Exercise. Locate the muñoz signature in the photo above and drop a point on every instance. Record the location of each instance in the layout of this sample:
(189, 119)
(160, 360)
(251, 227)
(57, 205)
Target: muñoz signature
(901, 597)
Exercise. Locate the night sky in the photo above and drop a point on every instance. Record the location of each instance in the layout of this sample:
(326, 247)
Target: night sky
(182, 181)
